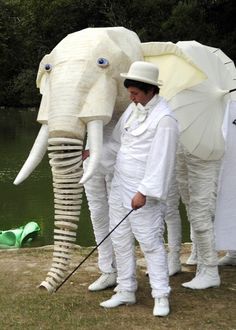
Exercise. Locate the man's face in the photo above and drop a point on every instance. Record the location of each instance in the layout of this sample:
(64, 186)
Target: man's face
(136, 95)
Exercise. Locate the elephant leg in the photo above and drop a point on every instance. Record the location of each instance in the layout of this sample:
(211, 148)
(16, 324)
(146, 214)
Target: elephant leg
(174, 229)
(66, 163)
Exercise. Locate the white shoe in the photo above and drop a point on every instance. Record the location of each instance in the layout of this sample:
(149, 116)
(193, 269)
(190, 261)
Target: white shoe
(174, 264)
(207, 277)
(106, 280)
(120, 298)
(227, 260)
(161, 307)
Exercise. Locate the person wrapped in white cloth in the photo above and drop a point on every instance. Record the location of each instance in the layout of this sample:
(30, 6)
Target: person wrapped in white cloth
(225, 217)
(197, 180)
(97, 191)
(143, 147)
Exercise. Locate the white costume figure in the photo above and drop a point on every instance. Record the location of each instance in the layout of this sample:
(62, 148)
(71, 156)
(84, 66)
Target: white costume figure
(143, 145)
(198, 185)
(97, 191)
(225, 219)
(200, 111)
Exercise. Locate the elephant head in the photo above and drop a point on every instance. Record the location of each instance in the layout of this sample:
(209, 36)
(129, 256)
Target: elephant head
(81, 89)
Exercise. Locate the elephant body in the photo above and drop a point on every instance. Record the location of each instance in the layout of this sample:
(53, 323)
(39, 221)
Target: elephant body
(81, 92)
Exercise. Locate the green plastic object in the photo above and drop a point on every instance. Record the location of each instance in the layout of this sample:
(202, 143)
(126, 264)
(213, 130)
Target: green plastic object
(15, 238)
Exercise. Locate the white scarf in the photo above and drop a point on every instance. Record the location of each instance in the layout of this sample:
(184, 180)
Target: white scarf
(139, 112)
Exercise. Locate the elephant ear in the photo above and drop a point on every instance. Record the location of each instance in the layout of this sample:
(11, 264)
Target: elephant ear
(177, 70)
(42, 82)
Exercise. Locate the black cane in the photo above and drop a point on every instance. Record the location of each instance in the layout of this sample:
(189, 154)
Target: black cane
(94, 249)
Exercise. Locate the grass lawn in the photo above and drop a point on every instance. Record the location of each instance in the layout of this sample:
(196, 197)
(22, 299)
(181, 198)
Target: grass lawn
(24, 306)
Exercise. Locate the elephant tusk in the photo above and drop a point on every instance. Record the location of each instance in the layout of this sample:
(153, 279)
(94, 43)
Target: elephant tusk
(95, 141)
(36, 155)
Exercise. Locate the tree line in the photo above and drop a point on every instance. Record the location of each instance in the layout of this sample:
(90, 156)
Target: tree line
(29, 29)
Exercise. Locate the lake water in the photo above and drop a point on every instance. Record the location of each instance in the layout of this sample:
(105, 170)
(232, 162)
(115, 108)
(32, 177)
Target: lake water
(33, 199)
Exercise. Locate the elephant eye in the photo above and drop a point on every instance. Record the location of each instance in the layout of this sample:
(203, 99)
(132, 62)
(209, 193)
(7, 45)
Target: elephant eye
(102, 62)
(48, 67)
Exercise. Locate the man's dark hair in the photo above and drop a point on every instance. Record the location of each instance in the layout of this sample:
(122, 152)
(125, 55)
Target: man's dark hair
(141, 85)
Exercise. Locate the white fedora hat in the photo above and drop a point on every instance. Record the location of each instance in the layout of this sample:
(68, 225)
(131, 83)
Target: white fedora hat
(143, 71)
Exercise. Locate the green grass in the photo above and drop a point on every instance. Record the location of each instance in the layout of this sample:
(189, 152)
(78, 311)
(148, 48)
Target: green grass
(24, 306)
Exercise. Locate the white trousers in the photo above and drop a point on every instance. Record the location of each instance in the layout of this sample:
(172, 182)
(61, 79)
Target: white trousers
(146, 225)
(97, 191)
(198, 188)
(172, 219)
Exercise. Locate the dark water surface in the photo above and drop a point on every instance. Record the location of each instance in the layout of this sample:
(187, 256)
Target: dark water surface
(33, 199)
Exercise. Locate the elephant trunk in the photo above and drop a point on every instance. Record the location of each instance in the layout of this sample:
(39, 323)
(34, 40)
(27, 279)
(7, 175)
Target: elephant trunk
(65, 156)
(66, 161)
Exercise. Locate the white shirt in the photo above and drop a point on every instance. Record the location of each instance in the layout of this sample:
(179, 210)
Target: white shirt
(144, 153)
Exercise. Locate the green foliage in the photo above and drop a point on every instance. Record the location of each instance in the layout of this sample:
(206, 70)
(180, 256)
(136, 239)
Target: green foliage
(29, 29)
(23, 85)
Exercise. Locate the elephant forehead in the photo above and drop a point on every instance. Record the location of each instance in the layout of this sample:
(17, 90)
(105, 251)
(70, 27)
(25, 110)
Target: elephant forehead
(82, 47)
(93, 43)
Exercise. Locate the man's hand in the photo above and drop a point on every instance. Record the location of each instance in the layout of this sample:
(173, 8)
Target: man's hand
(138, 201)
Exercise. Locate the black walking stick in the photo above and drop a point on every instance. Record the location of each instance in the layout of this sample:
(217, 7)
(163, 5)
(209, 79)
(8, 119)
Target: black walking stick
(94, 249)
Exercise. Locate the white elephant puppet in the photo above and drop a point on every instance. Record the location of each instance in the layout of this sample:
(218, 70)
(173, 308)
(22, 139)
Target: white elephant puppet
(81, 88)
(82, 92)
